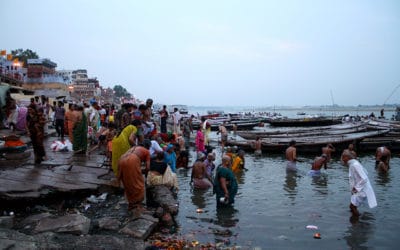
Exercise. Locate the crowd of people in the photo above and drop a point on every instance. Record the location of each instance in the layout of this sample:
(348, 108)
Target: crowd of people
(145, 152)
(142, 151)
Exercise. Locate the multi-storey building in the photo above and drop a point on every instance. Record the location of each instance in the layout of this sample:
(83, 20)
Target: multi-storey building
(12, 72)
(82, 87)
(42, 71)
(66, 76)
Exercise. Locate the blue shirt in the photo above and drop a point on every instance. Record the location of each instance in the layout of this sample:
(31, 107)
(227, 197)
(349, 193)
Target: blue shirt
(170, 159)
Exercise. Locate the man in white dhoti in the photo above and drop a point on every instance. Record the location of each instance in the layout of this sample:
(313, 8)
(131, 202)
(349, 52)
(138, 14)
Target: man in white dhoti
(360, 185)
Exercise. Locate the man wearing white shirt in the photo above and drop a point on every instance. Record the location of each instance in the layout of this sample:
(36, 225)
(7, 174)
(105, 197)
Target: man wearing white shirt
(154, 148)
(176, 116)
(360, 185)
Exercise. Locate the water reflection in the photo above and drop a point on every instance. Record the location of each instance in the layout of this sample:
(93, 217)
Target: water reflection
(225, 224)
(240, 177)
(198, 197)
(226, 216)
(382, 179)
(321, 183)
(291, 184)
(360, 231)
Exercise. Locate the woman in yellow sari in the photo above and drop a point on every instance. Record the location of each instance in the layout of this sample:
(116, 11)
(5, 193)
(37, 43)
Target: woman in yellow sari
(122, 143)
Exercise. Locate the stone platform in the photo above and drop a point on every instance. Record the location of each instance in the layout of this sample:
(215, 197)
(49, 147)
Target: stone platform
(63, 171)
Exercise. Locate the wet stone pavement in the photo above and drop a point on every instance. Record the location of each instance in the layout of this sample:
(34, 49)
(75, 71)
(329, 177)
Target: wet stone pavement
(70, 201)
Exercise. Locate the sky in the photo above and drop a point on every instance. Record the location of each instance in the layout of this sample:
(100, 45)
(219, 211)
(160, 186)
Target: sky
(220, 53)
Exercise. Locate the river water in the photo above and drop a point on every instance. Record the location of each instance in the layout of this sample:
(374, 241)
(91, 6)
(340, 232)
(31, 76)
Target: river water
(273, 207)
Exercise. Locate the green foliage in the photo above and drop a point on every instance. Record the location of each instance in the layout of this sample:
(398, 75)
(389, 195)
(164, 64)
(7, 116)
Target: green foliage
(24, 55)
(121, 92)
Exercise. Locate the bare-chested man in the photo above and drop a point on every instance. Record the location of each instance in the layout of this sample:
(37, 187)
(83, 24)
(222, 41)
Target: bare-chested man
(317, 165)
(257, 147)
(224, 135)
(199, 176)
(383, 166)
(382, 151)
(291, 156)
(327, 150)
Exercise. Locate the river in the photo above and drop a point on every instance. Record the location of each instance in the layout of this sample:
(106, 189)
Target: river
(273, 208)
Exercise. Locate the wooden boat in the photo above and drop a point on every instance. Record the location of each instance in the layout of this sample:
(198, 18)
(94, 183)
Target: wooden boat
(301, 122)
(390, 139)
(303, 131)
(384, 124)
(213, 114)
(183, 109)
(308, 144)
(240, 125)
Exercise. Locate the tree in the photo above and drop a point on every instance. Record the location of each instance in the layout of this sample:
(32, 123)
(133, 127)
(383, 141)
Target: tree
(24, 55)
(121, 92)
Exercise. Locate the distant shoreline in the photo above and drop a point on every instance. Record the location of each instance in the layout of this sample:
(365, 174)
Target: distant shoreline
(289, 108)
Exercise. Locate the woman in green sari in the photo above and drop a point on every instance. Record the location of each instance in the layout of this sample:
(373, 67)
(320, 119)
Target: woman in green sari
(79, 131)
(225, 184)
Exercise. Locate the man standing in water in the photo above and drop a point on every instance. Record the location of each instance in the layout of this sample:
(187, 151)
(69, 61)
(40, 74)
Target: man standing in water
(291, 156)
(200, 177)
(382, 151)
(328, 150)
(317, 165)
(360, 185)
(224, 135)
(257, 147)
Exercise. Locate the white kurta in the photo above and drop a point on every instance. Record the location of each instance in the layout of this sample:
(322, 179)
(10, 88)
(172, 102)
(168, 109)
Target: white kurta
(358, 179)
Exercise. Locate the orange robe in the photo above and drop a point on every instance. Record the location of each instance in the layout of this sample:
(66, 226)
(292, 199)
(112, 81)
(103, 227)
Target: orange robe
(69, 120)
(237, 164)
(130, 174)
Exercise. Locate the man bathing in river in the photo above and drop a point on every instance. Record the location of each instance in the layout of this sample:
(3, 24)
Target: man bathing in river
(317, 165)
(200, 177)
(291, 156)
(360, 186)
(224, 135)
(257, 147)
(382, 151)
(328, 150)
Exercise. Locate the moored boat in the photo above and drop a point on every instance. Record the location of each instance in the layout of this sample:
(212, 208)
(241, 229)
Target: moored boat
(343, 128)
(244, 124)
(307, 121)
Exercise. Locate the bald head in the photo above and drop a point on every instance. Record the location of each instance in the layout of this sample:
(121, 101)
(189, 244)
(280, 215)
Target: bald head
(347, 155)
(226, 160)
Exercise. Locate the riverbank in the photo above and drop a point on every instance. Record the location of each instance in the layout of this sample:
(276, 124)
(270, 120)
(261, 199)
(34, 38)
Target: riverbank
(69, 201)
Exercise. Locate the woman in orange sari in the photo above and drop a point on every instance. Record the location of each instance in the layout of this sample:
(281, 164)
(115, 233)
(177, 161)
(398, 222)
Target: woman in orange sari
(130, 174)
(69, 121)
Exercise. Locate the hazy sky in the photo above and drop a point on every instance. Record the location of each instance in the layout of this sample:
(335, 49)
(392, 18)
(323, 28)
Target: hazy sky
(246, 53)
